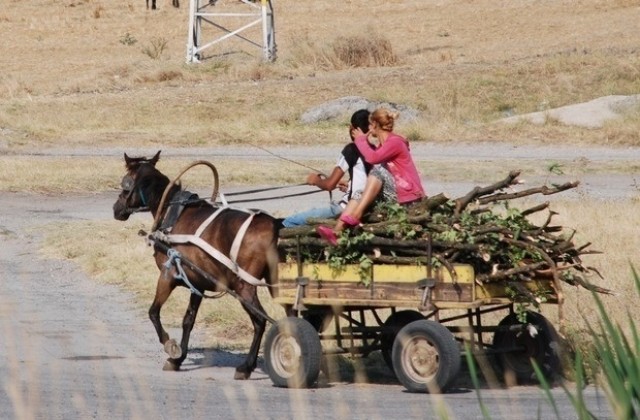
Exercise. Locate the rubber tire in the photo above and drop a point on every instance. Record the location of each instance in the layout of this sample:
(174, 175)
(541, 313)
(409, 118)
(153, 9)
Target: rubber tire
(419, 341)
(395, 322)
(545, 348)
(292, 353)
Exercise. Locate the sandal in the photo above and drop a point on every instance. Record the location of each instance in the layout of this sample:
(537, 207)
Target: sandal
(327, 234)
(349, 220)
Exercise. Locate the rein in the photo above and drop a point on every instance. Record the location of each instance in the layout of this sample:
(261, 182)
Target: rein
(263, 189)
(250, 200)
(284, 158)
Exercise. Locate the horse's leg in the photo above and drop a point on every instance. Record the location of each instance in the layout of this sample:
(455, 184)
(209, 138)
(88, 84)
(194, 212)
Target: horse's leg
(176, 3)
(259, 323)
(187, 326)
(164, 288)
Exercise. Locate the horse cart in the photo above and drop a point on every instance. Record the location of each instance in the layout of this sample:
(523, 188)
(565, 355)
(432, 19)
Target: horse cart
(421, 318)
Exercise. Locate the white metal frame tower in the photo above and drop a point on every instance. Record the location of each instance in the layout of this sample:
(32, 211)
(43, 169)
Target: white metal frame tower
(254, 12)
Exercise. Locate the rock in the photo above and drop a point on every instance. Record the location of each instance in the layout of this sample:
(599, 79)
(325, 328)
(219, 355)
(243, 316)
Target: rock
(342, 108)
(592, 114)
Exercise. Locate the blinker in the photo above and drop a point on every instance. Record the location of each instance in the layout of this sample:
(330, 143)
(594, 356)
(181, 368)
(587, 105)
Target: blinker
(127, 183)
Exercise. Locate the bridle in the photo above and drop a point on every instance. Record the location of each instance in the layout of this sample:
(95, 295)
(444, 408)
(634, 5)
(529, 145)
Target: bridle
(128, 186)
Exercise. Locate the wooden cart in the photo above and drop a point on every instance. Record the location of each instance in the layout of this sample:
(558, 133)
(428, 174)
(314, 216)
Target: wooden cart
(419, 318)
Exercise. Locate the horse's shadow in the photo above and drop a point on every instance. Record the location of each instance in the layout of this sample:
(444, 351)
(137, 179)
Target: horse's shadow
(201, 358)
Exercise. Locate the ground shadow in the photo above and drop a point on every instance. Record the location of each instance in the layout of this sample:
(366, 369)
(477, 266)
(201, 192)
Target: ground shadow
(199, 358)
(335, 369)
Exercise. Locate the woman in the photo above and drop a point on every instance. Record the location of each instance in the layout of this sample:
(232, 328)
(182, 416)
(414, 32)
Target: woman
(394, 172)
(350, 161)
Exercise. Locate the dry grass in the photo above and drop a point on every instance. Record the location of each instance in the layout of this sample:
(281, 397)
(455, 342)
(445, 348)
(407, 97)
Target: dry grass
(71, 174)
(462, 64)
(609, 226)
(68, 174)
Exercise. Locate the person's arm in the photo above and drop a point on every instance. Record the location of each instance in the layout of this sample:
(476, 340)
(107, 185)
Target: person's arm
(329, 183)
(386, 152)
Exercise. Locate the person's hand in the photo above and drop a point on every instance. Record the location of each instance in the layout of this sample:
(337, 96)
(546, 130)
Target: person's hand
(342, 186)
(313, 178)
(357, 132)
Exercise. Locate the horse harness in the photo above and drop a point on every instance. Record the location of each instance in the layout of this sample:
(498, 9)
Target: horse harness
(163, 235)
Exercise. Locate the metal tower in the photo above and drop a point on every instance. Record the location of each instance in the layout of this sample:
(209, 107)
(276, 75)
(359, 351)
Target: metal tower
(250, 13)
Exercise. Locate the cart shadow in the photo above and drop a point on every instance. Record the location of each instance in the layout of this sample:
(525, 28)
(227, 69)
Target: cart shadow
(373, 370)
(335, 369)
(344, 369)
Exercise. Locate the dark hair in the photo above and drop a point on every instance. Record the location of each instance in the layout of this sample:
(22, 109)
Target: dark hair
(360, 119)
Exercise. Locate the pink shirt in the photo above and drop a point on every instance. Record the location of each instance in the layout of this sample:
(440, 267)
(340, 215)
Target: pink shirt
(394, 154)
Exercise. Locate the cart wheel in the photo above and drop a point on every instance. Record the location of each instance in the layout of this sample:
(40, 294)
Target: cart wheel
(426, 357)
(516, 349)
(292, 353)
(392, 326)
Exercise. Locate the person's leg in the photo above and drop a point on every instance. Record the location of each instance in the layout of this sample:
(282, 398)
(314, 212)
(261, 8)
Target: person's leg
(300, 219)
(379, 181)
(348, 210)
(371, 191)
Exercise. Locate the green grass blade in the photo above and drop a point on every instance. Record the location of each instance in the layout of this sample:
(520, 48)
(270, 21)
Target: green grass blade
(473, 372)
(544, 384)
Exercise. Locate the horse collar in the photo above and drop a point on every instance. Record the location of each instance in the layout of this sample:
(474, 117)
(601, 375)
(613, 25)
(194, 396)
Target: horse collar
(176, 206)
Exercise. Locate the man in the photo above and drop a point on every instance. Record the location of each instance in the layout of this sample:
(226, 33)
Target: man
(351, 162)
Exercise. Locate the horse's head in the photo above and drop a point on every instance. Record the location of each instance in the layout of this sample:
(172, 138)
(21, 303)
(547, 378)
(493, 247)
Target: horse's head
(140, 187)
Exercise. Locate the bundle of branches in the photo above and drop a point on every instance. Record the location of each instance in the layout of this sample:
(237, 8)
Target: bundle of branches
(480, 228)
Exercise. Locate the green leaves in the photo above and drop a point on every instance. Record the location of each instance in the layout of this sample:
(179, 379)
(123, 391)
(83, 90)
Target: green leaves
(346, 252)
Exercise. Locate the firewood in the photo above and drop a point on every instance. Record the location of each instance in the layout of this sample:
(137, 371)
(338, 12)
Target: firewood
(502, 246)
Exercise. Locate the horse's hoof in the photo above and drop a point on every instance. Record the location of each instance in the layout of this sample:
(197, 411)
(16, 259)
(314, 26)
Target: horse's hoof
(172, 349)
(241, 376)
(169, 366)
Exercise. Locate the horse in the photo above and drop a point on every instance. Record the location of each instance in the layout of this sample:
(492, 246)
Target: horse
(175, 3)
(255, 253)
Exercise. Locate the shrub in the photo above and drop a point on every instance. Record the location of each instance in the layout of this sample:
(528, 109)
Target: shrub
(156, 48)
(358, 51)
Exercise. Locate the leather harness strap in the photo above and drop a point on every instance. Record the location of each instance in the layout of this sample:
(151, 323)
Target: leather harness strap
(237, 241)
(229, 262)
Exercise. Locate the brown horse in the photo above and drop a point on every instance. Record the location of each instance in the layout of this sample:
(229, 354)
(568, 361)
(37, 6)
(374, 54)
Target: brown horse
(175, 3)
(255, 253)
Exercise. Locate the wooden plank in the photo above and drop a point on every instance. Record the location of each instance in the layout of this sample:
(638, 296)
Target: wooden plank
(394, 286)
(318, 289)
(385, 273)
(345, 304)
(452, 292)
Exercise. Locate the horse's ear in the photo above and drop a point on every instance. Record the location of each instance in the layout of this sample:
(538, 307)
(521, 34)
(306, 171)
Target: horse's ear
(155, 159)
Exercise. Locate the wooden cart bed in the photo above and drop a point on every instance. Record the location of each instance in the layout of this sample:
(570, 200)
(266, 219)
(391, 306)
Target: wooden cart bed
(390, 286)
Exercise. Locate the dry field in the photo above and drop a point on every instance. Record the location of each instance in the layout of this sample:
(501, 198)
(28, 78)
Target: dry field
(104, 74)
(112, 75)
